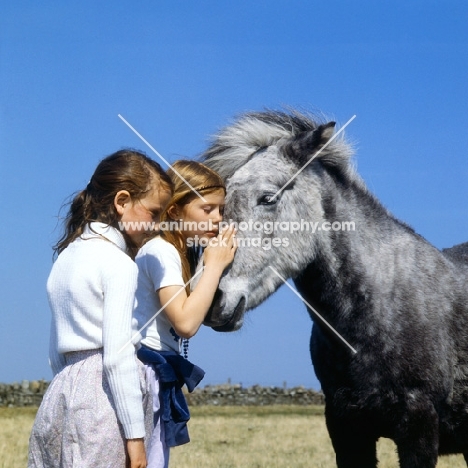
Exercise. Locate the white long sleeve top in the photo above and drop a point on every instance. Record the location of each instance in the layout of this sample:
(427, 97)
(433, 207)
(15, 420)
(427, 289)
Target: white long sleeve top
(91, 291)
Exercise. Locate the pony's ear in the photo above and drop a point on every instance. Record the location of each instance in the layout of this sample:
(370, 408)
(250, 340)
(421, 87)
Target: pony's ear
(304, 146)
(327, 130)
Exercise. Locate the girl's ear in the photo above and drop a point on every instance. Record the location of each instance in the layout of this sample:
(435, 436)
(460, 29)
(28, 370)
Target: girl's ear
(122, 198)
(173, 212)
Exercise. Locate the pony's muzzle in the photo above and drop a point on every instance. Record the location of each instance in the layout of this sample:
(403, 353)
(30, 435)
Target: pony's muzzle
(235, 322)
(221, 319)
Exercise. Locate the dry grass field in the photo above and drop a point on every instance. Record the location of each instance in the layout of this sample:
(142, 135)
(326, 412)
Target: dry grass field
(15, 426)
(228, 437)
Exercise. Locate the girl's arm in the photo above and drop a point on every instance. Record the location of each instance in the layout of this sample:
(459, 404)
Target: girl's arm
(119, 280)
(186, 314)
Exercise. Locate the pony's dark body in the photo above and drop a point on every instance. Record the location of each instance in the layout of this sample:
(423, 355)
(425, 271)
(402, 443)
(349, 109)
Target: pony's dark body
(402, 382)
(400, 302)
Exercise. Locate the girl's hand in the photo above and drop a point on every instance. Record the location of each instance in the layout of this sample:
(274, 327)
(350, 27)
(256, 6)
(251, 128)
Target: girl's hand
(221, 249)
(136, 453)
(186, 314)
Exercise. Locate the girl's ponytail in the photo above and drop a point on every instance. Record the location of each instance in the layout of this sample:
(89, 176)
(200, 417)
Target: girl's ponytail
(78, 216)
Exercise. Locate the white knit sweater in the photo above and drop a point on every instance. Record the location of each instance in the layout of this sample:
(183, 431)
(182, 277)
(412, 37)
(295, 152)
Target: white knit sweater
(91, 292)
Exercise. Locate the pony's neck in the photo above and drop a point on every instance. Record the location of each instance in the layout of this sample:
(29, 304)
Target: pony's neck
(337, 281)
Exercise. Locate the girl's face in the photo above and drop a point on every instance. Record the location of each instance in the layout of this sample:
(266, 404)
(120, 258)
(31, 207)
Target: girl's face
(141, 217)
(204, 217)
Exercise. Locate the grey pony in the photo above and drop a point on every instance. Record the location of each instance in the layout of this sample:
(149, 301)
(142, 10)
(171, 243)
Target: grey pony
(397, 300)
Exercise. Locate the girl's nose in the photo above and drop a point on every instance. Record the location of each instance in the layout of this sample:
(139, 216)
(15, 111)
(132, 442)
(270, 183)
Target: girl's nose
(218, 216)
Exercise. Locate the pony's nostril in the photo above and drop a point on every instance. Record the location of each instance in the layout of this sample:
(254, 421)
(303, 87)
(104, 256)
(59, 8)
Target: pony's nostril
(216, 308)
(218, 300)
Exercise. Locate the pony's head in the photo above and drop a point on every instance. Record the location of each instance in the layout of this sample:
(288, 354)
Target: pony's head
(274, 165)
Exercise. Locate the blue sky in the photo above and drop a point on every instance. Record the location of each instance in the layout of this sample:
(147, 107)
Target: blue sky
(180, 70)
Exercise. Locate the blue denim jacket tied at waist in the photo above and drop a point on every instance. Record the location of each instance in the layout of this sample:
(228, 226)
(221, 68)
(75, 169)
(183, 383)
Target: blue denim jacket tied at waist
(173, 372)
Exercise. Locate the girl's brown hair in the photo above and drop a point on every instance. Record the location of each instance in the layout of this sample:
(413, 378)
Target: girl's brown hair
(123, 170)
(205, 181)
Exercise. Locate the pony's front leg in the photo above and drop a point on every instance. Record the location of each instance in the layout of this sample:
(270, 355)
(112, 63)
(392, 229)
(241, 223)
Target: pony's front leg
(418, 438)
(354, 444)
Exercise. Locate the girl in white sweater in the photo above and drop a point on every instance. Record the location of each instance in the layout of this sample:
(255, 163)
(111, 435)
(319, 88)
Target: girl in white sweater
(95, 412)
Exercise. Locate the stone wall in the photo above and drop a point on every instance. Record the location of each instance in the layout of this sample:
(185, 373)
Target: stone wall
(236, 395)
(29, 393)
(26, 393)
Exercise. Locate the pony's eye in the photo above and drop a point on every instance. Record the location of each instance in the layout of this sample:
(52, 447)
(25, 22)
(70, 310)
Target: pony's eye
(268, 199)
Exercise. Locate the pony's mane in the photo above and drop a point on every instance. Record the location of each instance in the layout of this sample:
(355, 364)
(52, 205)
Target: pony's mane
(232, 147)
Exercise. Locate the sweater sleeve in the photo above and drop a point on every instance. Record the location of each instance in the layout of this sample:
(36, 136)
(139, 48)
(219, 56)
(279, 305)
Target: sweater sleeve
(120, 364)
